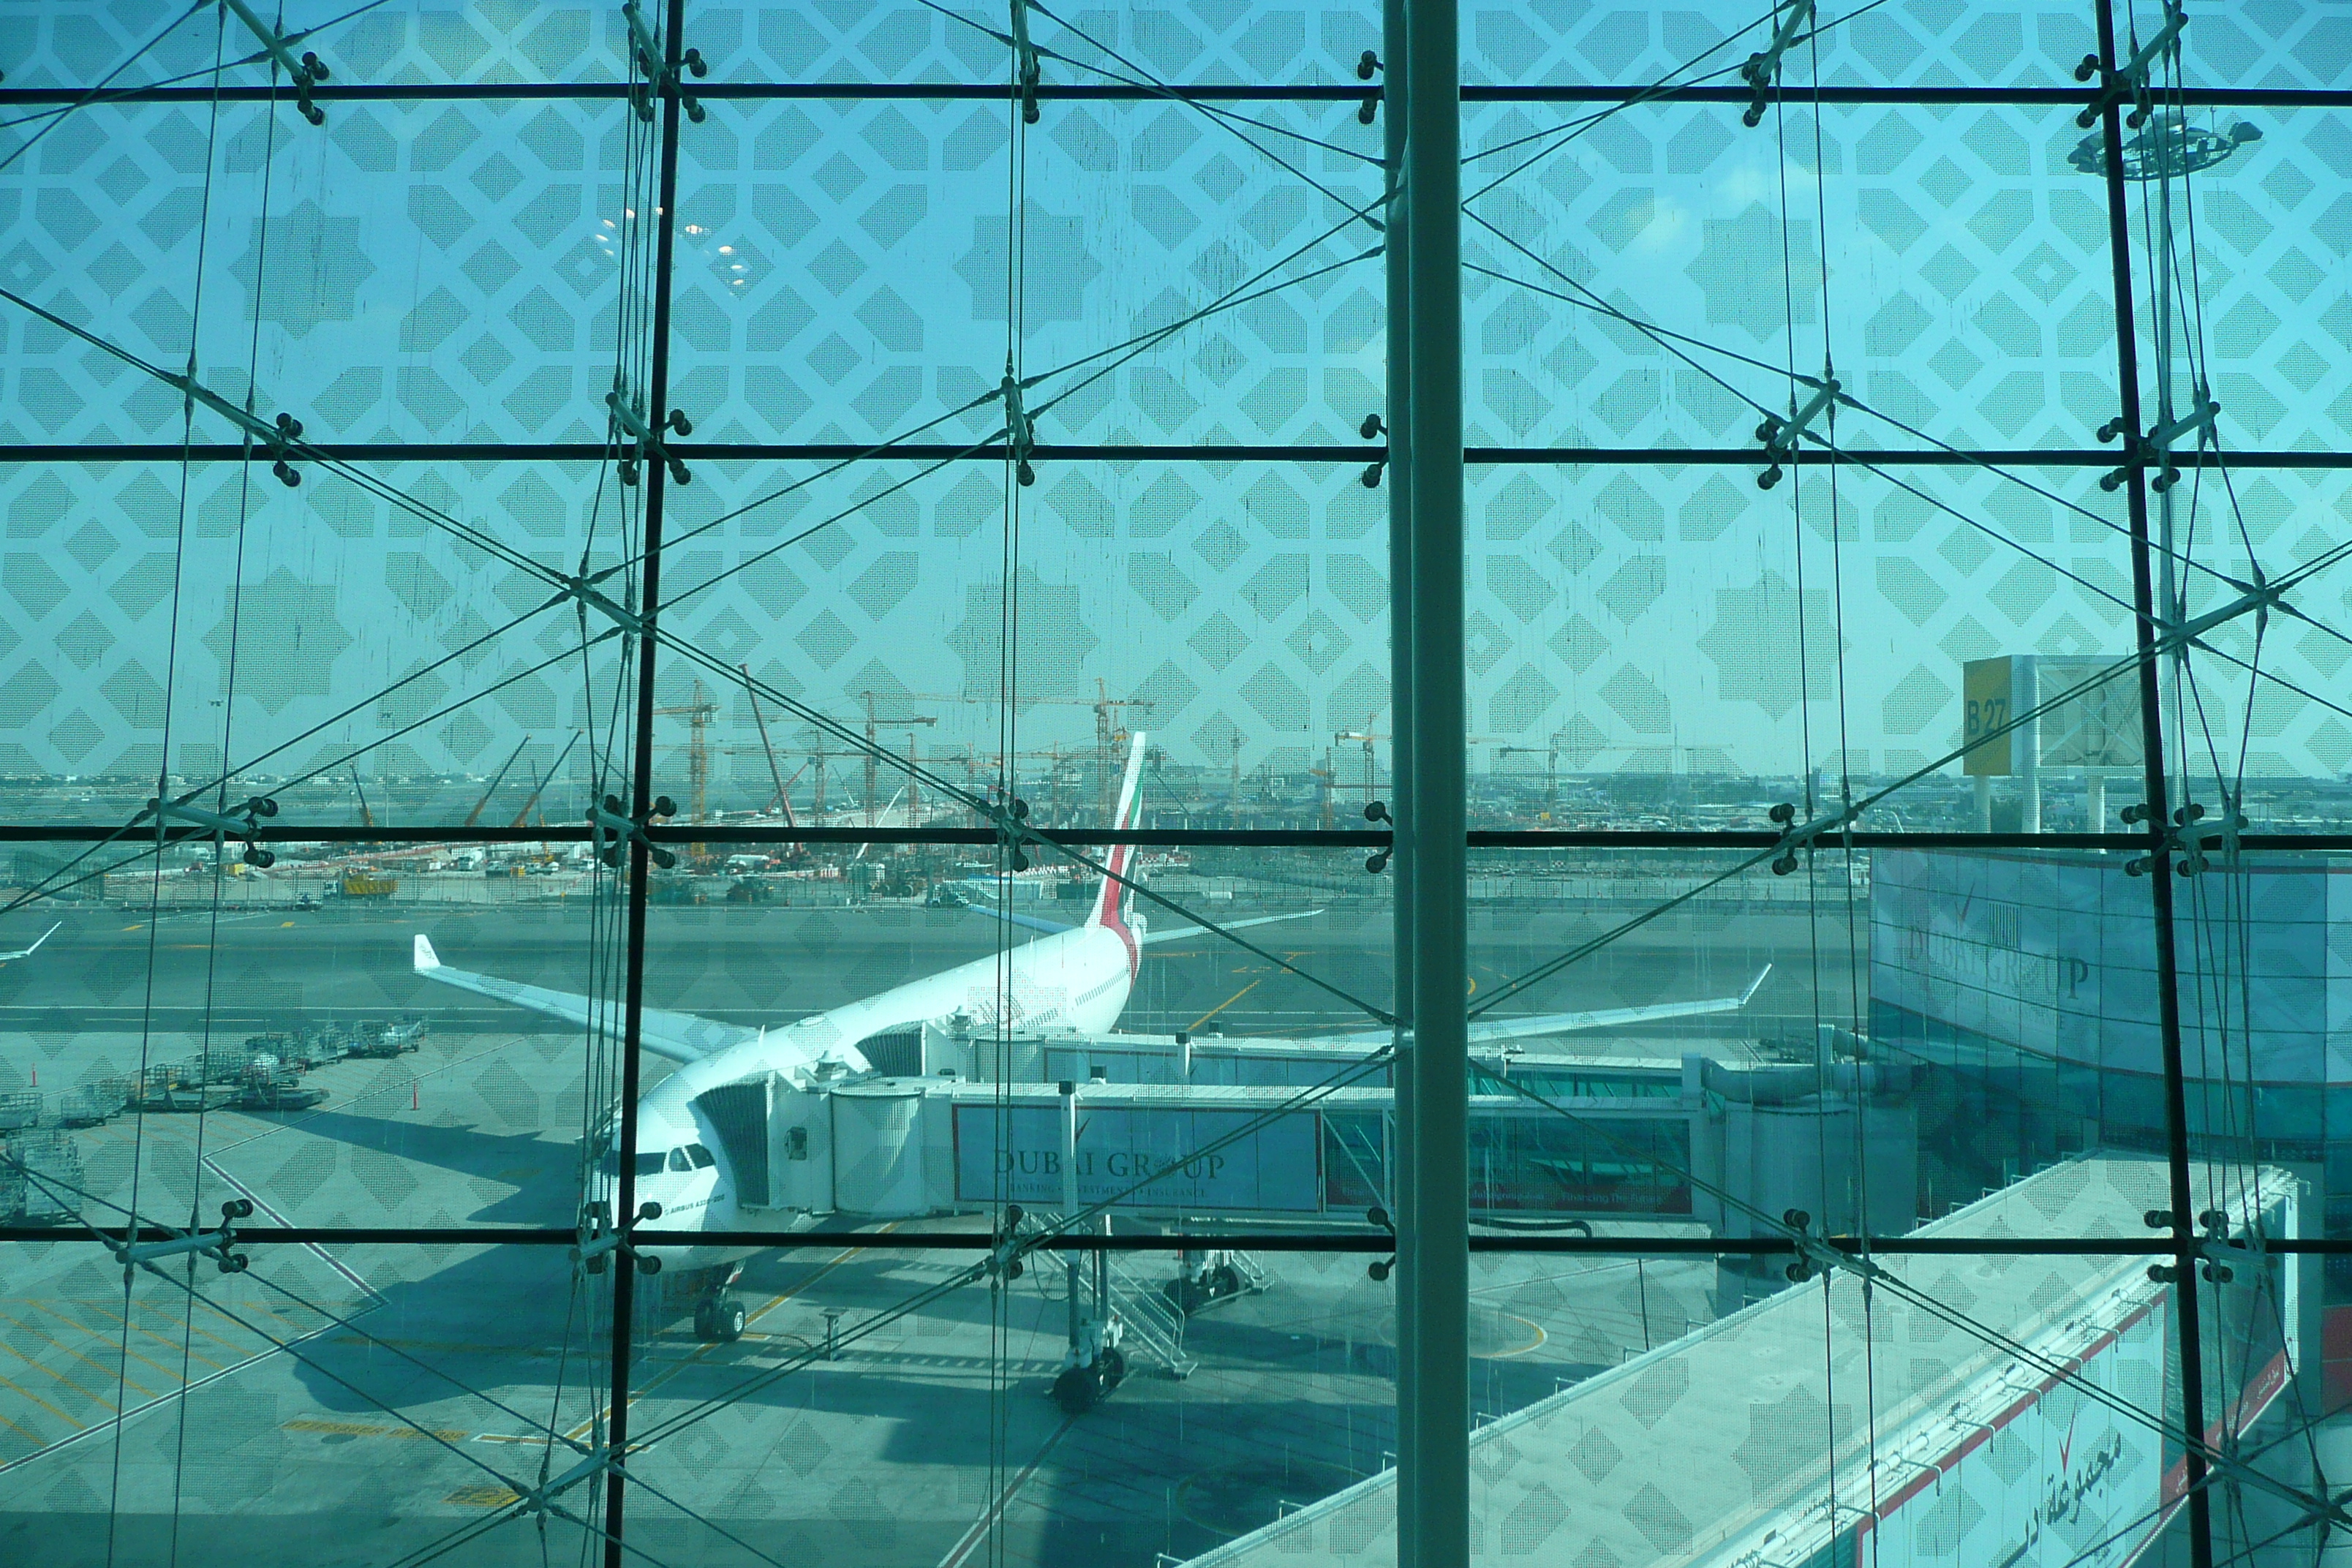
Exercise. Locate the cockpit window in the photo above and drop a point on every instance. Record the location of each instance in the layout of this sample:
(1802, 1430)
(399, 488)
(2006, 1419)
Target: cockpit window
(677, 1160)
(647, 1164)
(701, 1157)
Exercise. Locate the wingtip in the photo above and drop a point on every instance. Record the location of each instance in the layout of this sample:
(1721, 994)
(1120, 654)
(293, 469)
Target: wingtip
(1745, 996)
(426, 959)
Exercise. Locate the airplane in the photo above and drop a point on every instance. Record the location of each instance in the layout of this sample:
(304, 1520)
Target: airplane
(1066, 978)
(28, 951)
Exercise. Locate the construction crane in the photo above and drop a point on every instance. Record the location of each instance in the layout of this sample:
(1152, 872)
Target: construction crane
(1368, 738)
(1551, 771)
(783, 795)
(539, 787)
(367, 817)
(474, 815)
(874, 753)
(698, 752)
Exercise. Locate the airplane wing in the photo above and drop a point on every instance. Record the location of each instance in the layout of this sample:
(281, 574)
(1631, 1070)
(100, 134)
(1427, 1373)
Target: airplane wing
(680, 1037)
(1149, 937)
(28, 951)
(1537, 1024)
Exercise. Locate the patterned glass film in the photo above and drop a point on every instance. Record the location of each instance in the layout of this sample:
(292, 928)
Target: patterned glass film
(700, 749)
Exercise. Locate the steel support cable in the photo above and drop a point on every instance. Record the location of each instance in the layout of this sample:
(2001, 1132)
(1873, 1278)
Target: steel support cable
(51, 886)
(58, 115)
(1227, 117)
(1244, 293)
(1878, 469)
(684, 646)
(1665, 336)
(292, 1348)
(1664, 87)
(1802, 834)
(55, 1187)
(1149, 86)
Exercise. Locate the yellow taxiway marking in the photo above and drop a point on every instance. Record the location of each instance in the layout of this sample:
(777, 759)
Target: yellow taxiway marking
(1534, 1344)
(43, 1404)
(101, 1370)
(362, 1429)
(1223, 1005)
(483, 1496)
(134, 1328)
(283, 924)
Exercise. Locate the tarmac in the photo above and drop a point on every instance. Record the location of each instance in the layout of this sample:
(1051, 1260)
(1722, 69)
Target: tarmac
(358, 1403)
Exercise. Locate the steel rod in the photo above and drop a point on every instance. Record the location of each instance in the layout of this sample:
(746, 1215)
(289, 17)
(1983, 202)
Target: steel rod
(2158, 825)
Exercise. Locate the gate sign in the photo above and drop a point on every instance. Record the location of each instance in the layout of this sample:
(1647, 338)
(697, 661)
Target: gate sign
(2100, 728)
(2062, 1480)
(1986, 687)
(1140, 1158)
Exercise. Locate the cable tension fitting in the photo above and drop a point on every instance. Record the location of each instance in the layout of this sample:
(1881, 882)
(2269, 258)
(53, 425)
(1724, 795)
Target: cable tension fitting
(241, 821)
(2131, 81)
(1026, 68)
(645, 444)
(1763, 68)
(306, 72)
(1780, 436)
(655, 72)
(613, 828)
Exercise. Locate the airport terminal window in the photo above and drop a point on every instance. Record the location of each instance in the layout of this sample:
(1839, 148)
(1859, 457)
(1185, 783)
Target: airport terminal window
(860, 599)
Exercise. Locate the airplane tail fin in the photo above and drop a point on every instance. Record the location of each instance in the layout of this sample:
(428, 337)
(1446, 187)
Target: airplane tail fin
(427, 961)
(1112, 898)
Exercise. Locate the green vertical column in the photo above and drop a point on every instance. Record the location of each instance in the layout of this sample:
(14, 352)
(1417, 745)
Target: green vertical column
(1433, 1439)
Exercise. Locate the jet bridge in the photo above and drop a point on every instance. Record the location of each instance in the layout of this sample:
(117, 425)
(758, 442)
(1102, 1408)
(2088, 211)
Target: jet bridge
(1169, 1128)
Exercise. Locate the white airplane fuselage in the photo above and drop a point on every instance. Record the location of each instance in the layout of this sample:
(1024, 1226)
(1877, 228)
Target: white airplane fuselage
(1076, 980)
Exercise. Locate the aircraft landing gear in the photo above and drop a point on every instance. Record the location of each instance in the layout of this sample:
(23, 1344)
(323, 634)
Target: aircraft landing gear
(718, 1319)
(719, 1315)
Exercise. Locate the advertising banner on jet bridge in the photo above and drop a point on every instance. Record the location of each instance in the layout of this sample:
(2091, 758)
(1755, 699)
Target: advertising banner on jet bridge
(2059, 1480)
(1015, 1155)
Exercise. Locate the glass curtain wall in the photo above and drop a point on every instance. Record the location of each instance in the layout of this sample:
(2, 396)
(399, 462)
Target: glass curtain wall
(697, 766)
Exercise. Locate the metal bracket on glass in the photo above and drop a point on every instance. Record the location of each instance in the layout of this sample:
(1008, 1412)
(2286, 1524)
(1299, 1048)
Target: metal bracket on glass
(645, 440)
(1381, 1268)
(2257, 597)
(1378, 860)
(1012, 832)
(277, 437)
(1020, 430)
(2189, 844)
(1003, 1260)
(583, 587)
(1763, 68)
(2131, 80)
(614, 829)
(1780, 436)
(1816, 1256)
(539, 1499)
(600, 1239)
(2218, 1251)
(1794, 837)
(242, 822)
(216, 1244)
(1372, 429)
(1366, 68)
(1026, 69)
(306, 72)
(655, 70)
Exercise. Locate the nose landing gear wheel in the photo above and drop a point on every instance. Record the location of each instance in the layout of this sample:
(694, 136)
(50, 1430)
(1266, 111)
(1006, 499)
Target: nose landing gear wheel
(719, 1322)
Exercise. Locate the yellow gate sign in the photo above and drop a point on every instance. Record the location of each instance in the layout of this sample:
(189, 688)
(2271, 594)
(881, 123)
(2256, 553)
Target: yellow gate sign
(1986, 686)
